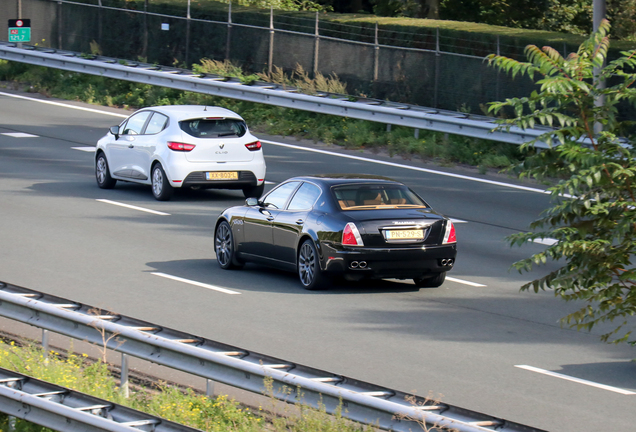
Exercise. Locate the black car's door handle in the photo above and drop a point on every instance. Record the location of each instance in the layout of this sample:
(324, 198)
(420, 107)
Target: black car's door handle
(300, 221)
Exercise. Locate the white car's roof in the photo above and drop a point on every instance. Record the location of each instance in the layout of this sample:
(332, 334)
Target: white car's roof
(184, 112)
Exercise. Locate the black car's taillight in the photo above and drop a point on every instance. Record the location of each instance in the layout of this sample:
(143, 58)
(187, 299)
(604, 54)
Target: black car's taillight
(449, 234)
(351, 235)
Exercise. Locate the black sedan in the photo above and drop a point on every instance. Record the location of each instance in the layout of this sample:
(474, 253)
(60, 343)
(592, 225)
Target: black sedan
(354, 226)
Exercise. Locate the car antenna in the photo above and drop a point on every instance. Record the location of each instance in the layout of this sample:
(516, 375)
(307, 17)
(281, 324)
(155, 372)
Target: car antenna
(205, 108)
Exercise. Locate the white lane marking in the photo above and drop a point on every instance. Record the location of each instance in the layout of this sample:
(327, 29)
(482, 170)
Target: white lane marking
(199, 284)
(465, 282)
(63, 105)
(19, 135)
(269, 182)
(459, 176)
(546, 241)
(461, 281)
(397, 165)
(85, 149)
(457, 220)
(576, 380)
(133, 207)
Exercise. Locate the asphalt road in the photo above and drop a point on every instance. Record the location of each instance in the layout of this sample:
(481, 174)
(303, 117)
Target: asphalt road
(464, 340)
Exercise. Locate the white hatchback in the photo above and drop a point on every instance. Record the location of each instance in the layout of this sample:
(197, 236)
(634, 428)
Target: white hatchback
(199, 147)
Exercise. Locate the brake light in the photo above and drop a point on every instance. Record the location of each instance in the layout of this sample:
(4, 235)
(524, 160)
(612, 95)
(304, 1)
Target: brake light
(177, 146)
(254, 146)
(449, 235)
(351, 235)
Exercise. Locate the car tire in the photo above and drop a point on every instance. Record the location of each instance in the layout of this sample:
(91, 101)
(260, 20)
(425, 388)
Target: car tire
(254, 191)
(224, 247)
(161, 188)
(430, 282)
(309, 272)
(102, 173)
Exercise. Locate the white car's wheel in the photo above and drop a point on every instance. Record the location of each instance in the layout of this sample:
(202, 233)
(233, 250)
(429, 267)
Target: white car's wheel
(161, 188)
(102, 173)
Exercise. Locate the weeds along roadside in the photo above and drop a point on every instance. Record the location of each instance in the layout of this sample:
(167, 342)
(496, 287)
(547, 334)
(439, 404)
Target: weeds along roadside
(184, 406)
(439, 148)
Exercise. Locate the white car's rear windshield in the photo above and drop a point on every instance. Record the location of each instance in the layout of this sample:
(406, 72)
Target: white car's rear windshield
(213, 128)
(376, 196)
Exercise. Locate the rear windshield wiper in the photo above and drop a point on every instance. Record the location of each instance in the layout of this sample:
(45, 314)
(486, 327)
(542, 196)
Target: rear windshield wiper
(227, 134)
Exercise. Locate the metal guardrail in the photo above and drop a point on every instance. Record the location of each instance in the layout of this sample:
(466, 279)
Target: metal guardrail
(363, 402)
(375, 110)
(61, 409)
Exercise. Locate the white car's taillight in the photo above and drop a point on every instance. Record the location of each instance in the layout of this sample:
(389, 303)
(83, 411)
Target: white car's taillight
(351, 235)
(449, 235)
(177, 146)
(253, 146)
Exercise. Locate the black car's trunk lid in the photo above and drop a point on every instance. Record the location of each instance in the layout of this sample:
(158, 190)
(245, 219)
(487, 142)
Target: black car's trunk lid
(399, 228)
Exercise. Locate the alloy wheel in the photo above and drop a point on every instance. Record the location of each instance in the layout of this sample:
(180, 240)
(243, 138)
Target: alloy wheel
(101, 170)
(223, 245)
(157, 181)
(306, 264)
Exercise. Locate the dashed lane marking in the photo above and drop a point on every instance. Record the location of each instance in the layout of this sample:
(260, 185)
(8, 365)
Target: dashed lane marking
(546, 241)
(576, 380)
(85, 149)
(460, 281)
(133, 207)
(195, 283)
(19, 135)
(464, 282)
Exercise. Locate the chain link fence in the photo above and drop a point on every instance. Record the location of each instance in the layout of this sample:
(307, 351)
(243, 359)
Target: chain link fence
(428, 67)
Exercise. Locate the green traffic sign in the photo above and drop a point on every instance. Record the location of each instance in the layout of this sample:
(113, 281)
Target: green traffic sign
(18, 34)
(19, 30)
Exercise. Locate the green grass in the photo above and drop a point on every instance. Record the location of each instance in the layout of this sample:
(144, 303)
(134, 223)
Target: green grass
(184, 406)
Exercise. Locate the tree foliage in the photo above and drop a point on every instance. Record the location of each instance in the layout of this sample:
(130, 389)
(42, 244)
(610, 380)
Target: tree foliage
(593, 213)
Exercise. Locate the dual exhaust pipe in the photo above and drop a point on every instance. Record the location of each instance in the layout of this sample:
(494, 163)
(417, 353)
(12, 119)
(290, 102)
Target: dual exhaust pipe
(358, 265)
(447, 262)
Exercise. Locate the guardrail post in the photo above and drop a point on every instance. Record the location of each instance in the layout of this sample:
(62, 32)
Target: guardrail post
(229, 31)
(209, 388)
(45, 344)
(416, 134)
(271, 40)
(124, 376)
(316, 46)
(376, 55)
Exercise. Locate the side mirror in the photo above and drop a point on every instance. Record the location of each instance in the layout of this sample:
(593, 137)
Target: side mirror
(115, 131)
(251, 202)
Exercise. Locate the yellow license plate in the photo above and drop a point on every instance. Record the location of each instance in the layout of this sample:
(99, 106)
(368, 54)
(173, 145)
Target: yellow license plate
(412, 234)
(221, 175)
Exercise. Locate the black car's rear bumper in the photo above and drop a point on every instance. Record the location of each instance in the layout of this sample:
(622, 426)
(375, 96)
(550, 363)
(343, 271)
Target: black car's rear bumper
(378, 263)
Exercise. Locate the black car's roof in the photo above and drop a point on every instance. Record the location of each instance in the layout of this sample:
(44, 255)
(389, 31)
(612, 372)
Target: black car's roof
(334, 179)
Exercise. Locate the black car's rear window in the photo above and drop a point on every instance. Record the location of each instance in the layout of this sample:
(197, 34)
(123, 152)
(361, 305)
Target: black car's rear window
(213, 128)
(376, 196)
